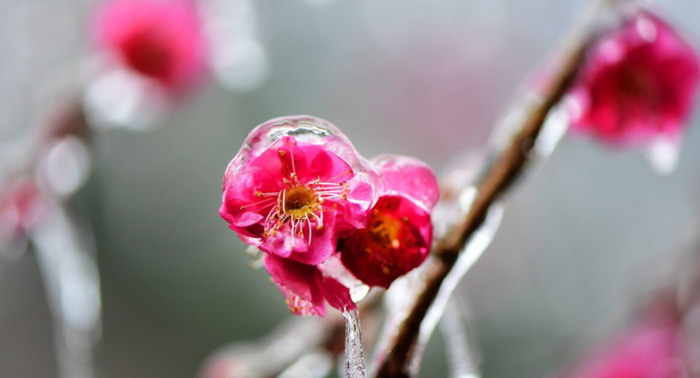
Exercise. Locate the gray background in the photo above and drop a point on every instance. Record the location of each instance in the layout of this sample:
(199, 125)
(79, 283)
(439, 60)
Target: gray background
(584, 237)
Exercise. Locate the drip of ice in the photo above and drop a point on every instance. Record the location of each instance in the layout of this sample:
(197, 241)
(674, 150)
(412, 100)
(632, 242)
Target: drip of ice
(354, 350)
(70, 275)
(460, 352)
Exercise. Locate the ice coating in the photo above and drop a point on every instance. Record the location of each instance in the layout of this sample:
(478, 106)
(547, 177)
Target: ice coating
(294, 188)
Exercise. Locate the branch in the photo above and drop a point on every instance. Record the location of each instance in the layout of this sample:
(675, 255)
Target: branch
(508, 163)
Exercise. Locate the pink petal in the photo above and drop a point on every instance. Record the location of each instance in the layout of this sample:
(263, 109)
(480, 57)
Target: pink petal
(302, 281)
(409, 177)
(337, 294)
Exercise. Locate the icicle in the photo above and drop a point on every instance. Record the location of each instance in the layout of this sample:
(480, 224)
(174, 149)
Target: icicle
(354, 352)
(460, 352)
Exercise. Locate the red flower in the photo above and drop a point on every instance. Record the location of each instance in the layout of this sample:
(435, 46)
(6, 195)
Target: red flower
(294, 188)
(638, 84)
(398, 232)
(294, 196)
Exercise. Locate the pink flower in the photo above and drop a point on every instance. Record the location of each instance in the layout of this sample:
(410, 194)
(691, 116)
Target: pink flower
(298, 191)
(638, 84)
(21, 207)
(159, 40)
(648, 351)
(398, 232)
(295, 187)
(306, 288)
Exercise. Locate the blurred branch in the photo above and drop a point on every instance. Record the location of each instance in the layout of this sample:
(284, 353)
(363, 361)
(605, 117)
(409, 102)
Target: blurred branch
(508, 163)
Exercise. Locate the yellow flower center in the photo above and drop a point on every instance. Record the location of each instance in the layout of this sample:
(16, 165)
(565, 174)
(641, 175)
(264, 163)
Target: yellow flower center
(299, 202)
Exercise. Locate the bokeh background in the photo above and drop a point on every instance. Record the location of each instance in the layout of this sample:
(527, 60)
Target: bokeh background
(585, 237)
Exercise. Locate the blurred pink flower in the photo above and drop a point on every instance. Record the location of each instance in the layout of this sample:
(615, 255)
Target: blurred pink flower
(21, 207)
(398, 233)
(639, 83)
(651, 350)
(160, 40)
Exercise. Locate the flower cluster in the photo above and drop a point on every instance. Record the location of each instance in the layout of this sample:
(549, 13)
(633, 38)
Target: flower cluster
(300, 192)
(637, 85)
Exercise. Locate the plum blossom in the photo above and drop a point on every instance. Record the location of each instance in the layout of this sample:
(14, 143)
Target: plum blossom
(299, 192)
(398, 233)
(638, 84)
(158, 40)
(306, 288)
(290, 193)
(296, 186)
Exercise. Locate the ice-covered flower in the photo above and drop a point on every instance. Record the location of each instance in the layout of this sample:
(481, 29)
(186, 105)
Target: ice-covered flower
(398, 232)
(638, 84)
(295, 187)
(158, 40)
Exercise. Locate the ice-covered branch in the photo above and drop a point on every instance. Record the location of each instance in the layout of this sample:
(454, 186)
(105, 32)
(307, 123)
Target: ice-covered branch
(511, 156)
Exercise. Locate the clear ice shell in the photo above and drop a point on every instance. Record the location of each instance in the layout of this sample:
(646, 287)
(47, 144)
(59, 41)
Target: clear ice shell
(304, 129)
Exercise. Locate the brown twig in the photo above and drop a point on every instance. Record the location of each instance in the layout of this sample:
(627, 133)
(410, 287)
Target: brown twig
(507, 165)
